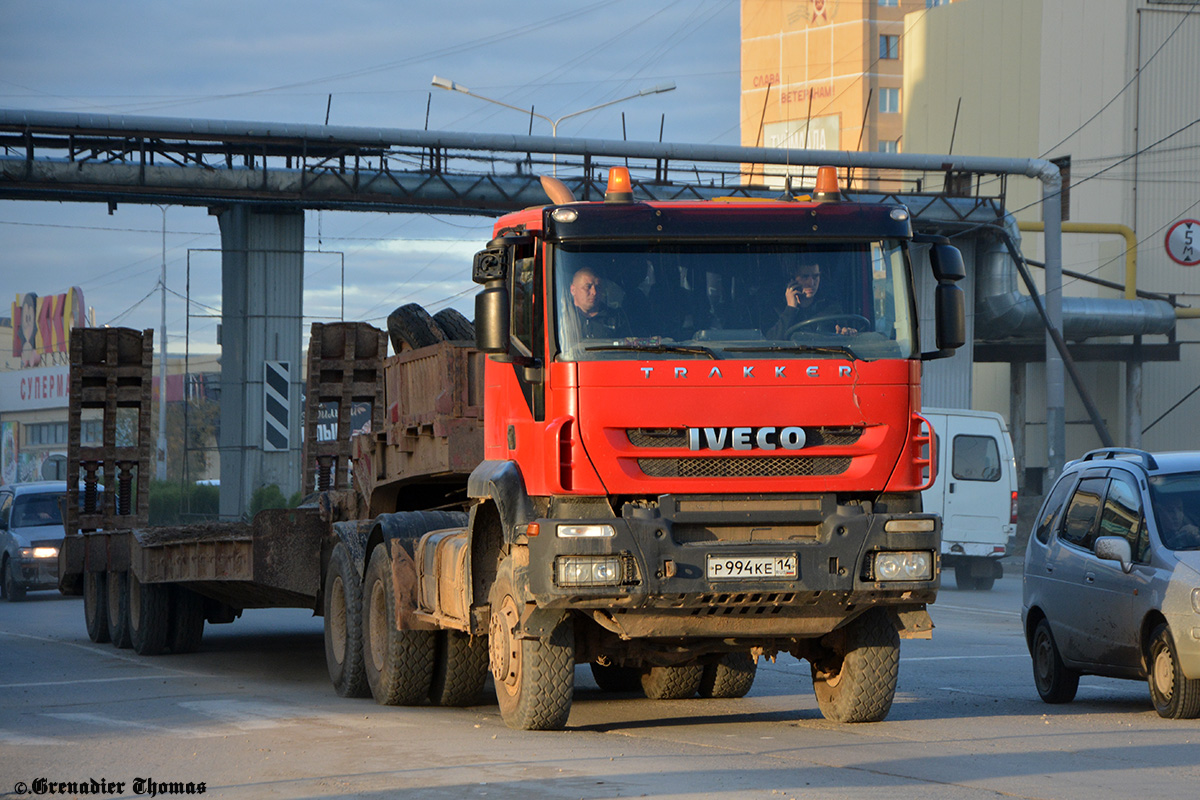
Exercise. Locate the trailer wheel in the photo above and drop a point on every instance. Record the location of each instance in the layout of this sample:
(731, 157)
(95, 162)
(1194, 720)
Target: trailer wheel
(117, 584)
(149, 616)
(611, 678)
(460, 669)
(410, 327)
(95, 606)
(14, 592)
(672, 683)
(454, 325)
(344, 626)
(399, 663)
(856, 680)
(534, 677)
(186, 627)
(732, 676)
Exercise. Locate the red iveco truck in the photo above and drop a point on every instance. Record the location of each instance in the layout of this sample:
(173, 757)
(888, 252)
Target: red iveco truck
(642, 468)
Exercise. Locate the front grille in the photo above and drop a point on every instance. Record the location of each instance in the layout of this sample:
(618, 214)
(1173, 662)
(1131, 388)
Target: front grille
(677, 437)
(743, 466)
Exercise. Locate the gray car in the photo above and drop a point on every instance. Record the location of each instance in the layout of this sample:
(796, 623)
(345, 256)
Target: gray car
(1112, 578)
(31, 531)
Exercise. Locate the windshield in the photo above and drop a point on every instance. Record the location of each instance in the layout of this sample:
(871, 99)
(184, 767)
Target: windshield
(32, 510)
(1176, 500)
(733, 300)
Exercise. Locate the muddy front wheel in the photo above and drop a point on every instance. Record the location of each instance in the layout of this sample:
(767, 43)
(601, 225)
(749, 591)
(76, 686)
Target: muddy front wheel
(534, 677)
(856, 679)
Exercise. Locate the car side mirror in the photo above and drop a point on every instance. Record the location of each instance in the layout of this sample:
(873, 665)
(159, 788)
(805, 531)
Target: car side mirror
(1114, 548)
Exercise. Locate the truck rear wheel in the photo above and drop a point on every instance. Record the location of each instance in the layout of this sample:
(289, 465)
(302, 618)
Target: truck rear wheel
(732, 676)
(149, 616)
(672, 683)
(117, 585)
(344, 626)
(399, 664)
(187, 620)
(95, 606)
(535, 678)
(856, 680)
(460, 669)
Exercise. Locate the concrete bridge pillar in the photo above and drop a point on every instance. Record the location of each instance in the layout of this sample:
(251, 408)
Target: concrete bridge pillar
(262, 285)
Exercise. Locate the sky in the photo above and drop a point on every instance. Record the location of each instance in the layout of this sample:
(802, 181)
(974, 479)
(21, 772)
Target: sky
(370, 62)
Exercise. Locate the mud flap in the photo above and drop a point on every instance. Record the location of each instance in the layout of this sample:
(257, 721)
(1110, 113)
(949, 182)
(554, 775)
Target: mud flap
(404, 589)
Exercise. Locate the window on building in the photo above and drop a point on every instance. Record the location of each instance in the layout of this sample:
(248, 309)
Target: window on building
(889, 146)
(889, 46)
(932, 3)
(889, 101)
(90, 432)
(46, 433)
(891, 3)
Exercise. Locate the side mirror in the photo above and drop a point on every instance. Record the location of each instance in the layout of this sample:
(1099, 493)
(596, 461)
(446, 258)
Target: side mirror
(947, 263)
(1114, 548)
(491, 318)
(949, 302)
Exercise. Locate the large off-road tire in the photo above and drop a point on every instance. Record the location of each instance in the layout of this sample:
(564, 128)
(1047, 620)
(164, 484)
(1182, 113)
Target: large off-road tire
(460, 669)
(117, 585)
(1174, 696)
(855, 681)
(187, 620)
(732, 676)
(672, 683)
(95, 606)
(14, 590)
(344, 626)
(611, 678)
(454, 325)
(410, 327)
(149, 616)
(535, 678)
(1054, 680)
(399, 664)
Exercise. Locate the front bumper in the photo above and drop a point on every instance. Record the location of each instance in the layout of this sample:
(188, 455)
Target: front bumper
(667, 588)
(37, 573)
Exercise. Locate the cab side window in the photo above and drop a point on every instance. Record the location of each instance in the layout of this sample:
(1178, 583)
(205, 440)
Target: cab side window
(1123, 516)
(1053, 506)
(976, 458)
(1083, 513)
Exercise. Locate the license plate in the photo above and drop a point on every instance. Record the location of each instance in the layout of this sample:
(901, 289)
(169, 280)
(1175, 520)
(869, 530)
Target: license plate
(772, 568)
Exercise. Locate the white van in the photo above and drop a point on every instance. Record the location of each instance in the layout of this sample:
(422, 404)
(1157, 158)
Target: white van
(975, 493)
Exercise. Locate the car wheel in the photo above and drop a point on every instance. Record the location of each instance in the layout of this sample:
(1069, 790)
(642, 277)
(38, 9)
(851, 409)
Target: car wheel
(1174, 696)
(1055, 681)
(14, 591)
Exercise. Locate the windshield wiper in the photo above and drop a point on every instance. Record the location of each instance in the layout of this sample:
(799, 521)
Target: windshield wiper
(658, 348)
(836, 349)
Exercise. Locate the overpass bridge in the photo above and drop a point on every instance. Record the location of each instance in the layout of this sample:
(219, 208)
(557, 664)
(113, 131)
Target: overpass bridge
(257, 178)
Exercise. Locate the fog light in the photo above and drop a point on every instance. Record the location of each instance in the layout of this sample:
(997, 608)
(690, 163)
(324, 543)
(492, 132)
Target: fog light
(915, 565)
(45, 552)
(588, 571)
(586, 531)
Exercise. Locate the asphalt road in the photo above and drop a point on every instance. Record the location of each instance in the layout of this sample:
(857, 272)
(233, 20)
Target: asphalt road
(252, 715)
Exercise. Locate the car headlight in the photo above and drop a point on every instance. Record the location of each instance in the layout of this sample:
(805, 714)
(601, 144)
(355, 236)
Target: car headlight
(913, 565)
(45, 552)
(589, 571)
(586, 531)
(1196, 600)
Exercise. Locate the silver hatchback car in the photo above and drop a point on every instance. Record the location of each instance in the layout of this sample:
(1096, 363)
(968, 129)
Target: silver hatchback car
(31, 532)
(1112, 578)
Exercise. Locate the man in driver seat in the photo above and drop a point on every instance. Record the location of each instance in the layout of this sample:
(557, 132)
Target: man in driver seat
(805, 302)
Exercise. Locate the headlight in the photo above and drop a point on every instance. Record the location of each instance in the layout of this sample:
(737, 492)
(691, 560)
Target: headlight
(45, 552)
(589, 571)
(1196, 600)
(586, 531)
(916, 565)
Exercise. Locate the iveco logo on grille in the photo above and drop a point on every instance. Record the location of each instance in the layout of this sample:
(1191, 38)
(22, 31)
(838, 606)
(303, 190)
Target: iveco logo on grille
(768, 438)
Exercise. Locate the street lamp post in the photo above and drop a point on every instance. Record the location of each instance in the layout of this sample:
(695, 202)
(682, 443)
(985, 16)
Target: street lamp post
(449, 85)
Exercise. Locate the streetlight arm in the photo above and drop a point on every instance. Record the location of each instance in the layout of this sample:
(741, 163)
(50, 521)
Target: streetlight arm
(664, 87)
(449, 85)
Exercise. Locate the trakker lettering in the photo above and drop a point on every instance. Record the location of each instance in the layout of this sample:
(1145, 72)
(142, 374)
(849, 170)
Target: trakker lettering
(768, 438)
(843, 371)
